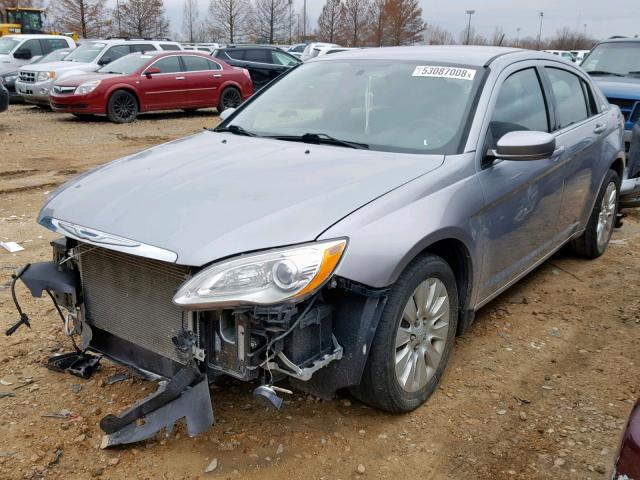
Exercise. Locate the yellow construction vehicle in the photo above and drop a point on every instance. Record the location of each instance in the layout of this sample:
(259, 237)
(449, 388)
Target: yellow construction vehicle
(26, 20)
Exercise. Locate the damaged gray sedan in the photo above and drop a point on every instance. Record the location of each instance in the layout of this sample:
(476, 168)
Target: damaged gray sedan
(337, 230)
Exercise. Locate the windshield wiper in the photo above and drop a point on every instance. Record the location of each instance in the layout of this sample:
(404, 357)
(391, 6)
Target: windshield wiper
(236, 130)
(318, 138)
(635, 72)
(603, 72)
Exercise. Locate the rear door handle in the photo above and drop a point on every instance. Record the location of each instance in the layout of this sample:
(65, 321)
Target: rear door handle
(181, 78)
(599, 128)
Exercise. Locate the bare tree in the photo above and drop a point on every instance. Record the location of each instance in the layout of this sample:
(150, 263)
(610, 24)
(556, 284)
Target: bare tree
(329, 21)
(143, 18)
(567, 39)
(376, 17)
(435, 35)
(229, 19)
(354, 22)
(190, 20)
(20, 3)
(270, 20)
(86, 17)
(474, 38)
(403, 24)
(498, 37)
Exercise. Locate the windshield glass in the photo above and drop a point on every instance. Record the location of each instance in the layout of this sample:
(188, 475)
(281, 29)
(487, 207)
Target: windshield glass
(390, 106)
(126, 65)
(85, 53)
(617, 58)
(54, 56)
(7, 44)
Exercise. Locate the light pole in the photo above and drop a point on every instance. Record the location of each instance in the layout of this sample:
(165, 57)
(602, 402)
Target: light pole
(469, 12)
(518, 37)
(540, 32)
(585, 30)
(304, 21)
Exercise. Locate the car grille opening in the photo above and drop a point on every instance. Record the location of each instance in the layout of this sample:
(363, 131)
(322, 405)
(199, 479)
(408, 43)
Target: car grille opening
(28, 77)
(130, 297)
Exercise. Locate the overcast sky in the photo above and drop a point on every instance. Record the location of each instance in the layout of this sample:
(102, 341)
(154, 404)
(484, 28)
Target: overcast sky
(602, 17)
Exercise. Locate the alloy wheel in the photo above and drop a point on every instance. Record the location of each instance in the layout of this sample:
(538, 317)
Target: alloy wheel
(231, 98)
(606, 218)
(422, 335)
(124, 107)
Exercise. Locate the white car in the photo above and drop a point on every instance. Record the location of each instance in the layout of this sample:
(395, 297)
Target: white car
(310, 51)
(19, 50)
(562, 53)
(35, 81)
(579, 55)
(321, 51)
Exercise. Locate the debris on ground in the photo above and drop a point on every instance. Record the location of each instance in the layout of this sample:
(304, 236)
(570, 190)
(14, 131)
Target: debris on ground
(11, 247)
(212, 466)
(118, 377)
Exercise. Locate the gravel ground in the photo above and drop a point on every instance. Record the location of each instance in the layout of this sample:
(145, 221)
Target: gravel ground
(540, 387)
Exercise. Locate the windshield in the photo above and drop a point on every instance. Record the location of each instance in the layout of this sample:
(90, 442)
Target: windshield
(7, 44)
(389, 106)
(54, 56)
(126, 65)
(86, 53)
(618, 58)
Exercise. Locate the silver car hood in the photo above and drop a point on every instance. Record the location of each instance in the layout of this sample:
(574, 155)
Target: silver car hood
(213, 195)
(60, 66)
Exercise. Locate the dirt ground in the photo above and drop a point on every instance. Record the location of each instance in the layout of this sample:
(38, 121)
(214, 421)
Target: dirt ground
(540, 387)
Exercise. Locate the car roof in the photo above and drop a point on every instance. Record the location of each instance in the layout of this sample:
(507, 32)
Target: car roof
(23, 36)
(620, 40)
(462, 54)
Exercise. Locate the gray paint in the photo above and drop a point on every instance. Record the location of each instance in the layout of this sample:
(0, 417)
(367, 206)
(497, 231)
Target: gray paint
(205, 199)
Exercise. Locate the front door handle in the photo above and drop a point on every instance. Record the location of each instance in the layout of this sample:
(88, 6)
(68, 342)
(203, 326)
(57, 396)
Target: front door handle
(217, 75)
(181, 78)
(599, 128)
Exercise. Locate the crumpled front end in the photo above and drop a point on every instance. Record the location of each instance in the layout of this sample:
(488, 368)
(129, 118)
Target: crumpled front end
(120, 306)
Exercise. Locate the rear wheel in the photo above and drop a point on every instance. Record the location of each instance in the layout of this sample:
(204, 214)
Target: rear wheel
(414, 339)
(595, 239)
(122, 107)
(229, 98)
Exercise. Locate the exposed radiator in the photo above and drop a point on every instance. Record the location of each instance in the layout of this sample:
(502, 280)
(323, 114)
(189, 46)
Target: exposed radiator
(130, 297)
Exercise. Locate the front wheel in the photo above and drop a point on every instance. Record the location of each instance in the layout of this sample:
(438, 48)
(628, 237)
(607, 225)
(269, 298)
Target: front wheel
(122, 107)
(595, 239)
(414, 339)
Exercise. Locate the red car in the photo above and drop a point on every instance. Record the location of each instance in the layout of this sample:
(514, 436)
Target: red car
(148, 81)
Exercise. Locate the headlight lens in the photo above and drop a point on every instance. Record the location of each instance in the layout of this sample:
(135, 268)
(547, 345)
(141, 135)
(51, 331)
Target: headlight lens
(87, 87)
(277, 276)
(44, 76)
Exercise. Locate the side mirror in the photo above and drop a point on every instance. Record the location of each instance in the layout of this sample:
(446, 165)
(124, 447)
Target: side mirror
(152, 71)
(226, 114)
(524, 145)
(23, 54)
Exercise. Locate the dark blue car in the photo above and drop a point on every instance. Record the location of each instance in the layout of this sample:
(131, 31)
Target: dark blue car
(614, 64)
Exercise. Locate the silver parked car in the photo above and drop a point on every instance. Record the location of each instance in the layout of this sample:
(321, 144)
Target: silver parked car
(337, 230)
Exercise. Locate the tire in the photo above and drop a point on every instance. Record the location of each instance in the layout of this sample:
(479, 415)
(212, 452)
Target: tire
(381, 386)
(122, 107)
(229, 98)
(595, 239)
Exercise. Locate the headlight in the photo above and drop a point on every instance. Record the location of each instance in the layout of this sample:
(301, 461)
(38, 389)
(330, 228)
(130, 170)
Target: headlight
(44, 76)
(277, 276)
(87, 87)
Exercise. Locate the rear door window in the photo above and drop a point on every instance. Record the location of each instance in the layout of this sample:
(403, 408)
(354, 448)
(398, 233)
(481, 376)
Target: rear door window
(169, 64)
(281, 58)
(570, 97)
(55, 44)
(196, 64)
(235, 54)
(521, 105)
(169, 46)
(258, 55)
(142, 47)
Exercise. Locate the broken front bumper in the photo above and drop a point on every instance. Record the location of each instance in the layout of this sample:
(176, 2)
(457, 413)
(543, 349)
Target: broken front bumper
(120, 307)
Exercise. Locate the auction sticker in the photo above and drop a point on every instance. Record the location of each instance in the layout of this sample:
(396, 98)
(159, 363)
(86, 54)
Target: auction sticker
(444, 72)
